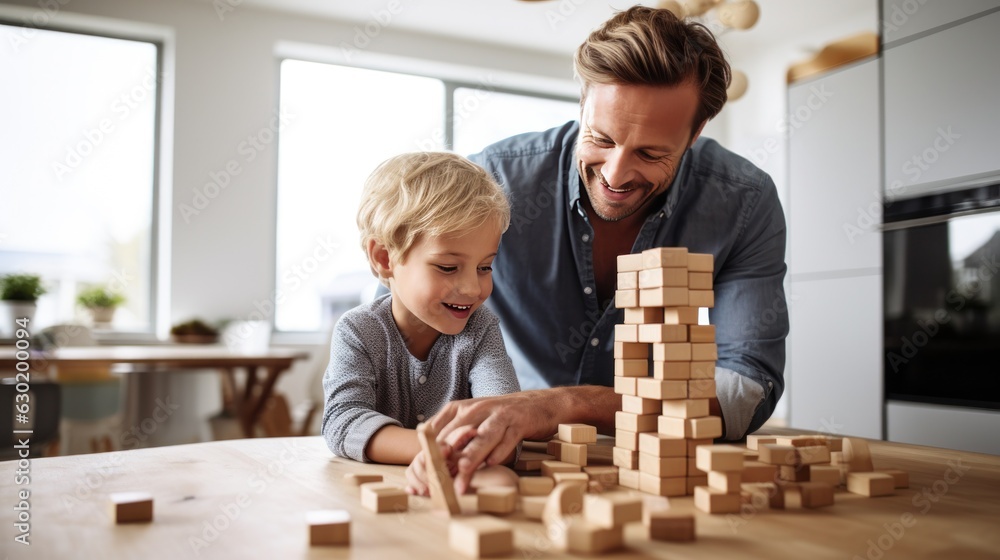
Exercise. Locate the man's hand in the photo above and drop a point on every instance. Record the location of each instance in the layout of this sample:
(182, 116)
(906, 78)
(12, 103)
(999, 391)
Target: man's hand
(416, 473)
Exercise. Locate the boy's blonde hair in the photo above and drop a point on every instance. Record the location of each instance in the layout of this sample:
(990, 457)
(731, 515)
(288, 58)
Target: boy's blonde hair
(427, 193)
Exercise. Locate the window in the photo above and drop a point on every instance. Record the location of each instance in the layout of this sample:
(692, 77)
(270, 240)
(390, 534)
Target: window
(78, 154)
(344, 122)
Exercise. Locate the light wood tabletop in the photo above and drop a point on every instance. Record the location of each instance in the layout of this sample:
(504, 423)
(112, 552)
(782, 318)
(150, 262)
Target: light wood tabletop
(249, 498)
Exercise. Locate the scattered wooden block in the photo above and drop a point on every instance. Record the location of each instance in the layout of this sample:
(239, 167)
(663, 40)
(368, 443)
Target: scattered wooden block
(578, 535)
(565, 499)
(703, 370)
(753, 441)
(481, 537)
(802, 441)
(606, 476)
(774, 454)
(631, 368)
(720, 458)
(628, 478)
(627, 280)
(625, 459)
(701, 298)
(901, 479)
(672, 352)
(531, 460)
(662, 446)
(662, 466)
(672, 370)
(701, 389)
(665, 525)
(692, 482)
(381, 497)
(794, 473)
(710, 500)
(575, 453)
(699, 280)
(533, 506)
(439, 480)
(659, 332)
(131, 507)
(642, 404)
(701, 262)
(816, 494)
(762, 494)
(665, 257)
(680, 316)
(663, 297)
(813, 455)
(329, 527)
(827, 474)
(837, 458)
(659, 390)
(535, 485)
(626, 333)
(636, 422)
(704, 351)
(835, 444)
(652, 484)
(570, 476)
(577, 433)
(357, 479)
(856, 455)
(551, 467)
(870, 483)
(499, 500)
(609, 510)
(663, 277)
(728, 481)
(642, 316)
(627, 440)
(630, 263)
(709, 427)
(685, 408)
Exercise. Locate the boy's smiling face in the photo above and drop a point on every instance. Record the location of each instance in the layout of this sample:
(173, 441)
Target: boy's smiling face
(440, 283)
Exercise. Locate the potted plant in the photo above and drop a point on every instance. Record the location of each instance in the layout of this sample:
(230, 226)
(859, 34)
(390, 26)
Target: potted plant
(101, 301)
(18, 294)
(194, 331)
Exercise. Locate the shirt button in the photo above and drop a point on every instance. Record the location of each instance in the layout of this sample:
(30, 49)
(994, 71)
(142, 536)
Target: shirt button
(588, 290)
(420, 417)
(586, 237)
(422, 379)
(594, 342)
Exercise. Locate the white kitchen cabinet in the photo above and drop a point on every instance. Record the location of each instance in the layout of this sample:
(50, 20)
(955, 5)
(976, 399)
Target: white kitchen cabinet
(942, 124)
(905, 18)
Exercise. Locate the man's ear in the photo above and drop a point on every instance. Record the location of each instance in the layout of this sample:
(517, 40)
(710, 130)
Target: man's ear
(379, 261)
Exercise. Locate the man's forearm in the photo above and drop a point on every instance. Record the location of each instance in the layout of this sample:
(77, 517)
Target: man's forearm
(589, 404)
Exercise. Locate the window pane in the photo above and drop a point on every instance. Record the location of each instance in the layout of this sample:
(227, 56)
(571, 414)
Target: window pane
(342, 123)
(77, 152)
(483, 117)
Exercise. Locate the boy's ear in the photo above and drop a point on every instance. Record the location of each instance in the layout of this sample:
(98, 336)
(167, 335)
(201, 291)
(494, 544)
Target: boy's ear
(378, 260)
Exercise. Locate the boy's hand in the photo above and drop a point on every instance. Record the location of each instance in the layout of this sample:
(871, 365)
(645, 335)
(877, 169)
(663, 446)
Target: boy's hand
(416, 473)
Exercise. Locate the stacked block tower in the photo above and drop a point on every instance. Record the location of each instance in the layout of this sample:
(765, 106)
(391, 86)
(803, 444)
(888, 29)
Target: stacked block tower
(664, 370)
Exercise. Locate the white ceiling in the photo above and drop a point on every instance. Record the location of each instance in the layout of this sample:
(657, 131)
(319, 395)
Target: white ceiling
(558, 26)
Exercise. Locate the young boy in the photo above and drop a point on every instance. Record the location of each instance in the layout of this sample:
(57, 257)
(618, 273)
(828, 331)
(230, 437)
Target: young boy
(430, 224)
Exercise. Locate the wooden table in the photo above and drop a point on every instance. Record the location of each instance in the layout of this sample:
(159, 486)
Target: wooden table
(246, 402)
(248, 499)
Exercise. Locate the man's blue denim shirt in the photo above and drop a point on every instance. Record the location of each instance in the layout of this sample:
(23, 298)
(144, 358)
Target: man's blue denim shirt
(556, 330)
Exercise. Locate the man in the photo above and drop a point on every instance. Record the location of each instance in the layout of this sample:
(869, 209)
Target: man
(630, 175)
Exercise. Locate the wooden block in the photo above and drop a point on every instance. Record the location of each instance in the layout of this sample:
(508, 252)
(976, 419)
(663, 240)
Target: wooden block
(532, 460)
(533, 506)
(794, 473)
(659, 390)
(698, 298)
(626, 333)
(685, 408)
(497, 499)
(481, 537)
(837, 458)
(753, 441)
(870, 483)
(575, 453)
(774, 454)
(699, 281)
(901, 479)
(673, 427)
(713, 501)
(627, 280)
(665, 525)
(665, 257)
(600, 453)
(763, 494)
(701, 262)
(703, 370)
(701, 333)
(728, 482)
(680, 316)
(671, 370)
(694, 482)
(570, 477)
(660, 445)
(580, 536)
(856, 455)
(635, 422)
(663, 278)
(357, 479)
(701, 388)
(630, 263)
(720, 458)
(551, 467)
(813, 455)
(381, 497)
(535, 485)
(692, 468)
(632, 350)
(439, 480)
(755, 471)
(606, 476)
(704, 352)
(643, 316)
(330, 527)
(626, 439)
(672, 352)
(609, 510)
(631, 368)
(658, 486)
(628, 478)
(626, 385)
(565, 499)
(663, 297)
(827, 474)
(626, 298)
(704, 428)
(801, 441)
(625, 459)
(816, 494)
(663, 467)
(835, 444)
(645, 403)
(663, 333)
(131, 507)
(749, 455)
(577, 433)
